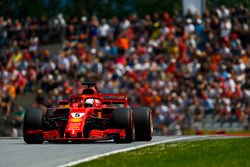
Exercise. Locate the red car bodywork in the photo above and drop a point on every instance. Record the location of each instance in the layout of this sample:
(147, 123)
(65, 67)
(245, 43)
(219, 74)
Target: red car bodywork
(72, 126)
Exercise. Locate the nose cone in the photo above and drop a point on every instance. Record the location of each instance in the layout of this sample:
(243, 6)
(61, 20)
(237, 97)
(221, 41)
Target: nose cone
(76, 123)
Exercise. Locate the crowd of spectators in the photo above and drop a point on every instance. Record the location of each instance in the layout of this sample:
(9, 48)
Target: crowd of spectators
(183, 67)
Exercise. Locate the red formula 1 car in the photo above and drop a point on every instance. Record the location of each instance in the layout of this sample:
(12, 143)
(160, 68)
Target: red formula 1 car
(89, 116)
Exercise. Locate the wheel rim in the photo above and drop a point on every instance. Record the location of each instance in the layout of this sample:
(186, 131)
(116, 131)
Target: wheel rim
(132, 126)
(151, 125)
(133, 132)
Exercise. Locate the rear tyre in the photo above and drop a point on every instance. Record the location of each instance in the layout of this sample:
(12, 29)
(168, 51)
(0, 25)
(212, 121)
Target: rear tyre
(143, 123)
(122, 118)
(33, 121)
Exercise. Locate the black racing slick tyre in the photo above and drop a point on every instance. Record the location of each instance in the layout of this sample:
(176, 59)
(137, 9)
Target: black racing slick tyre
(122, 118)
(33, 121)
(143, 123)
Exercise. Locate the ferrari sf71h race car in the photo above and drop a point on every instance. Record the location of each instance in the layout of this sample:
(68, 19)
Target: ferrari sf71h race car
(89, 116)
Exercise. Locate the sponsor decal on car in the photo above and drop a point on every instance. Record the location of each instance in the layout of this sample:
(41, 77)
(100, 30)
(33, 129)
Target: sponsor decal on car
(75, 120)
(74, 126)
(77, 115)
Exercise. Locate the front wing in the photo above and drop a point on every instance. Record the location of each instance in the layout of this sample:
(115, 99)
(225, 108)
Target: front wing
(94, 135)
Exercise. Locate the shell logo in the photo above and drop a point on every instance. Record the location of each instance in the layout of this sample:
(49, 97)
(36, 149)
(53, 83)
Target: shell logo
(75, 120)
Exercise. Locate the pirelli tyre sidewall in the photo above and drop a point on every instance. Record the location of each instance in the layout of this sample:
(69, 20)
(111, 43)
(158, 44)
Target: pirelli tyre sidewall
(33, 121)
(143, 123)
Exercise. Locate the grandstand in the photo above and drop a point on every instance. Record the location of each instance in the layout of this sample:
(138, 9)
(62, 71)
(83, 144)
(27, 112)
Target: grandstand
(192, 70)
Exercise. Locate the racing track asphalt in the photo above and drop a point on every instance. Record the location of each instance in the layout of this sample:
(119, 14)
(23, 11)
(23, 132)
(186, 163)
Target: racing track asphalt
(16, 153)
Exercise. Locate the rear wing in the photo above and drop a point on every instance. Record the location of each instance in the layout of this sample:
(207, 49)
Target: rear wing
(115, 99)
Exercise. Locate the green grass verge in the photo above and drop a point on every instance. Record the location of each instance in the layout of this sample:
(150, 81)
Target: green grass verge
(207, 153)
(212, 132)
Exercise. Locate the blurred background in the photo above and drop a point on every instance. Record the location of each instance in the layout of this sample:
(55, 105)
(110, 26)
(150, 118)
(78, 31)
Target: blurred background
(186, 59)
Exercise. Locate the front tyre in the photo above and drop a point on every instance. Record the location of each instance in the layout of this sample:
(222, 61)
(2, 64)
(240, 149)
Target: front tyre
(33, 121)
(122, 118)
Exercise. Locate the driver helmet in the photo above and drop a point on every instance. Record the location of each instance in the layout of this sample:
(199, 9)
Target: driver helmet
(89, 103)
